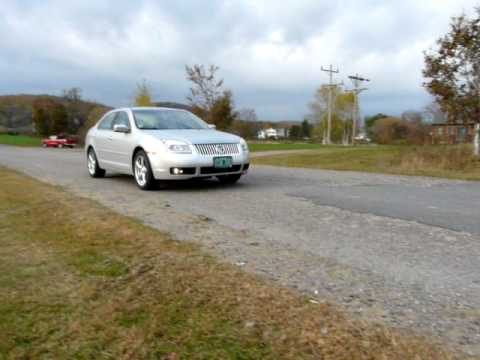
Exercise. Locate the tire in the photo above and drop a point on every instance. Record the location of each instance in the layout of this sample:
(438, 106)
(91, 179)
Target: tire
(142, 171)
(92, 164)
(229, 179)
(60, 146)
(45, 145)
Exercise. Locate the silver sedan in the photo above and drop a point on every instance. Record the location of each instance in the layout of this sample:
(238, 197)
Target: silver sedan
(163, 144)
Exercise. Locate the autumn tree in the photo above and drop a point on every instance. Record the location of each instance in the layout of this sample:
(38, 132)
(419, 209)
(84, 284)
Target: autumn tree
(59, 119)
(40, 120)
(222, 112)
(93, 116)
(246, 123)
(370, 122)
(207, 97)
(452, 71)
(49, 116)
(343, 103)
(143, 95)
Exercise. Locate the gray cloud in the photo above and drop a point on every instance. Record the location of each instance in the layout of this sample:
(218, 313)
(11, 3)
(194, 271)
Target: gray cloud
(269, 52)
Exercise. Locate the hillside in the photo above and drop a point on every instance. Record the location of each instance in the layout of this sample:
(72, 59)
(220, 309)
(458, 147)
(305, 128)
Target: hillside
(16, 111)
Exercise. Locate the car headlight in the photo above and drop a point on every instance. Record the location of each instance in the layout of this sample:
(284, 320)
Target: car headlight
(243, 145)
(178, 147)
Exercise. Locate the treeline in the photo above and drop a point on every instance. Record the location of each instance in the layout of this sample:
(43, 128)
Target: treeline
(410, 128)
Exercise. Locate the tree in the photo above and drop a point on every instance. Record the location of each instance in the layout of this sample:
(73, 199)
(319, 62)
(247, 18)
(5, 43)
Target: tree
(452, 71)
(434, 114)
(222, 113)
(40, 120)
(343, 106)
(246, 124)
(370, 123)
(412, 116)
(43, 108)
(93, 116)
(247, 115)
(74, 108)
(143, 96)
(73, 94)
(206, 89)
(393, 130)
(295, 132)
(207, 98)
(306, 129)
(59, 119)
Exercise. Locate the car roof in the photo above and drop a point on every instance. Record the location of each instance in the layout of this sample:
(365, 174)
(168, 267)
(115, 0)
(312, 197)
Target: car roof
(148, 108)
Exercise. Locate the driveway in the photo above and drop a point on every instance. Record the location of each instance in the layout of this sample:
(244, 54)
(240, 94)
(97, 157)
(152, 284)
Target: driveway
(401, 250)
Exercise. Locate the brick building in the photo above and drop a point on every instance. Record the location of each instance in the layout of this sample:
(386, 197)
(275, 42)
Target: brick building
(452, 133)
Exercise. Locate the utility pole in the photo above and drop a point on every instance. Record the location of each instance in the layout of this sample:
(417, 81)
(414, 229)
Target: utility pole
(330, 72)
(357, 81)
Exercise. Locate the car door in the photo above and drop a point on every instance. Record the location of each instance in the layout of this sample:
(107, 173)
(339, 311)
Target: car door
(121, 145)
(103, 139)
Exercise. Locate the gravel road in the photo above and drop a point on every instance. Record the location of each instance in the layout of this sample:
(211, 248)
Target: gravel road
(400, 250)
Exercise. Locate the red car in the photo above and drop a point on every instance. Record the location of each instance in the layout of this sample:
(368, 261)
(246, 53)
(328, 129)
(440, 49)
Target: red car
(59, 141)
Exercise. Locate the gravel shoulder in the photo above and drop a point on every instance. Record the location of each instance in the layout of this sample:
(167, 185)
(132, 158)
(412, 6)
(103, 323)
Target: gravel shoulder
(379, 267)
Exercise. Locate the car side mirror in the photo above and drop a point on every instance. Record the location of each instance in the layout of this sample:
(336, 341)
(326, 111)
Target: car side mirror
(212, 126)
(121, 128)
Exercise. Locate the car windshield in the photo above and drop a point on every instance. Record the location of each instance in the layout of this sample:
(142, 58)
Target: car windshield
(167, 120)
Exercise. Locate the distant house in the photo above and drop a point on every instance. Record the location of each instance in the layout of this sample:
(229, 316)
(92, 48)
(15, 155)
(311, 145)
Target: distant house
(283, 132)
(452, 133)
(267, 134)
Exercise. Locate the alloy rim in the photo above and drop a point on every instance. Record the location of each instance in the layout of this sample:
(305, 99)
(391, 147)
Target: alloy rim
(91, 163)
(141, 170)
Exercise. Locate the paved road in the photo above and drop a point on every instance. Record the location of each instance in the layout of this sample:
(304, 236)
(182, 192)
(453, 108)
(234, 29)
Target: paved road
(403, 250)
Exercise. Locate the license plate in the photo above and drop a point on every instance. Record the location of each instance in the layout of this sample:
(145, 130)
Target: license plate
(223, 162)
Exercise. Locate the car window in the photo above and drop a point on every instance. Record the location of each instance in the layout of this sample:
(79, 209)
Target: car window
(121, 118)
(107, 122)
(167, 120)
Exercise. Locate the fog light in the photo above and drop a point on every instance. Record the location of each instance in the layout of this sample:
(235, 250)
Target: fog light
(177, 171)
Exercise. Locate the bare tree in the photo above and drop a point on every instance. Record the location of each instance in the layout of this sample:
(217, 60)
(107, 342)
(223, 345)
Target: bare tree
(247, 114)
(206, 89)
(434, 113)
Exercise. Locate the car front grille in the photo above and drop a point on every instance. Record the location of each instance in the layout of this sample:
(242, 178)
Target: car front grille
(217, 149)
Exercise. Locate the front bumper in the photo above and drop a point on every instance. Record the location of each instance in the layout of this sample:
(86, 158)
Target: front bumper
(198, 165)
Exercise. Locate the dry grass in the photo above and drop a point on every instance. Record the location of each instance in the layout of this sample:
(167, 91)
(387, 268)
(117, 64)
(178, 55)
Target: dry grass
(79, 281)
(454, 162)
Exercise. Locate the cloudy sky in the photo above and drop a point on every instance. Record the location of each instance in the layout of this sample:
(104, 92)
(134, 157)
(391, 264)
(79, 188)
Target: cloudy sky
(270, 52)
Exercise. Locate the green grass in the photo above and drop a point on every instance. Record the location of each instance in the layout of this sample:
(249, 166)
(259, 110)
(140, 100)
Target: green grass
(20, 140)
(78, 281)
(455, 162)
(255, 147)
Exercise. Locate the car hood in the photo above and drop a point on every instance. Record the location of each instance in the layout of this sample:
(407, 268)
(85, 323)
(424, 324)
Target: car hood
(194, 136)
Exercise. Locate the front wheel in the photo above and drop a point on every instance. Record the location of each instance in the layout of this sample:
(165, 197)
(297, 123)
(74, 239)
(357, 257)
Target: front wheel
(229, 179)
(142, 171)
(92, 163)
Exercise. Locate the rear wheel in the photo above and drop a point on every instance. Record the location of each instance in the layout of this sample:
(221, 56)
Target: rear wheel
(142, 171)
(229, 179)
(92, 163)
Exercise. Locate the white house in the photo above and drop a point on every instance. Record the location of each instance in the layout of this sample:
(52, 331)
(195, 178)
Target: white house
(267, 134)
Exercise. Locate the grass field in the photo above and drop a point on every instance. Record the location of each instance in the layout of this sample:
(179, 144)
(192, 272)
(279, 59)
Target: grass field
(81, 282)
(20, 140)
(455, 162)
(256, 146)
